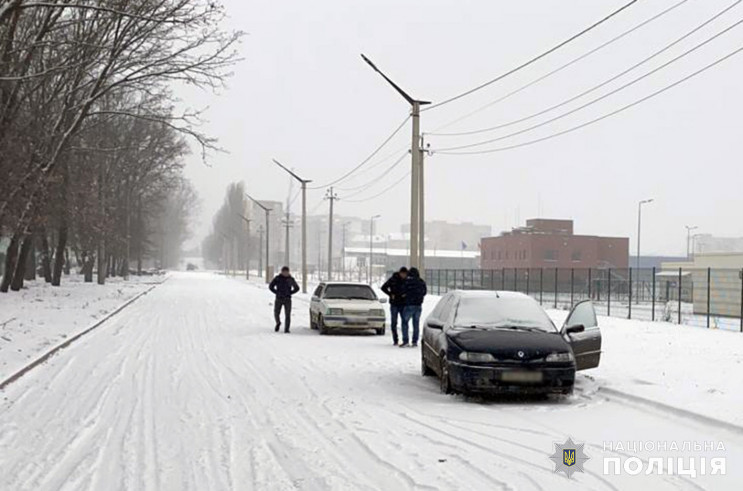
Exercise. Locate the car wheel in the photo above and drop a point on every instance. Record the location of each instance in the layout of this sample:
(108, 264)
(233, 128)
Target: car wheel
(321, 325)
(425, 371)
(444, 377)
(313, 325)
(380, 332)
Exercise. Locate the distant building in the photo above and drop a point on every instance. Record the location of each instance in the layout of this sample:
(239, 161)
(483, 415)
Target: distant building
(706, 244)
(546, 243)
(387, 259)
(452, 236)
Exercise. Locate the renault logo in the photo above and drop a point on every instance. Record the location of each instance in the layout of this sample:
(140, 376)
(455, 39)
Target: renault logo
(520, 354)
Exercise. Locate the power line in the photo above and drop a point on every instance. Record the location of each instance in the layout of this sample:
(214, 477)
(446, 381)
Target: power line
(533, 60)
(367, 185)
(600, 98)
(596, 87)
(385, 190)
(556, 70)
(366, 160)
(605, 116)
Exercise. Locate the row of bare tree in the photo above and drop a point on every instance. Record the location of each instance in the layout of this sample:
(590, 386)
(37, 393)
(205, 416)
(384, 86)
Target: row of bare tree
(91, 137)
(228, 244)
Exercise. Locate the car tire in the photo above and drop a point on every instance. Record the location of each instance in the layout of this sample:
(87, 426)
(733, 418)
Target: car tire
(444, 379)
(380, 332)
(321, 325)
(425, 370)
(313, 325)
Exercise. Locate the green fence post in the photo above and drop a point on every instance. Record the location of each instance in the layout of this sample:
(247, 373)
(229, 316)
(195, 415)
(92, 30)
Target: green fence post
(629, 312)
(653, 318)
(679, 292)
(709, 295)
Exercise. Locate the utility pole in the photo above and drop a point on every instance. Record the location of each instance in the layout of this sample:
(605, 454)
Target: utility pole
(424, 149)
(343, 252)
(371, 246)
(268, 232)
(330, 196)
(689, 230)
(639, 228)
(416, 180)
(260, 250)
(288, 224)
(304, 183)
(247, 245)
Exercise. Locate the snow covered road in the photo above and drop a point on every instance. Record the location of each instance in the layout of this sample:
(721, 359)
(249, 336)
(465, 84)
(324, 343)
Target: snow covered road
(190, 388)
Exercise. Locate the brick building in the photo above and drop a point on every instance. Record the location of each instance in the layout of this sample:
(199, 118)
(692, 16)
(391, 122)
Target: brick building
(545, 243)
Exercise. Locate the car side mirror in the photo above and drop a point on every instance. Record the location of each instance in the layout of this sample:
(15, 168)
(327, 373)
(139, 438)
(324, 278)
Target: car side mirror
(382, 300)
(435, 325)
(575, 329)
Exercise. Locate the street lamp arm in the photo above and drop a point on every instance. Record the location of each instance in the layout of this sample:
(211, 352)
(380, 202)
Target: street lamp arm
(291, 173)
(404, 94)
(265, 208)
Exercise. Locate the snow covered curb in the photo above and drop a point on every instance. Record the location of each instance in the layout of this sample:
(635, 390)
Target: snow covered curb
(42, 319)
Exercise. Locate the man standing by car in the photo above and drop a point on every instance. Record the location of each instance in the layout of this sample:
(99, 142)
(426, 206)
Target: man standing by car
(414, 290)
(393, 288)
(283, 286)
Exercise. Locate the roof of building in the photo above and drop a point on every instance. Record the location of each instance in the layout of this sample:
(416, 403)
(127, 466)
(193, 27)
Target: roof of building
(406, 252)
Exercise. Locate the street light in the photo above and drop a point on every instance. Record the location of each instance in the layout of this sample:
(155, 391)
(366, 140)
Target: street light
(247, 241)
(639, 228)
(304, 183)
(417, 214)
(268, 213)
(371, 244)
(689, 230)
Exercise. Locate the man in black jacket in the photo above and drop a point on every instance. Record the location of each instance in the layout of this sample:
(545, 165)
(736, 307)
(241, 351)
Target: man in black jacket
(283, 286)
(414, 290)
(393, 288)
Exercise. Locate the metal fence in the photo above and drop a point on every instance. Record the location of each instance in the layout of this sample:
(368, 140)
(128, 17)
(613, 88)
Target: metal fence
(711, 298)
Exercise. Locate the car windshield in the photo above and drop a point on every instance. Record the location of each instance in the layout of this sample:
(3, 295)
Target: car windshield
(349, 292)
(503, 313)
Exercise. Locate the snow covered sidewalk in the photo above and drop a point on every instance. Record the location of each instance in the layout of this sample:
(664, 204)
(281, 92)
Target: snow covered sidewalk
(40, 316)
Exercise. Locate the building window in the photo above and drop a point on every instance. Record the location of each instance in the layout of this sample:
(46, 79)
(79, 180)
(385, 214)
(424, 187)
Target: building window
(550, 255)
(576, 256)
(523, 255)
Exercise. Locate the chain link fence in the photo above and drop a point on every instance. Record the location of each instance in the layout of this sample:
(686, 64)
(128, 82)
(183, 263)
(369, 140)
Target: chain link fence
(711, 298)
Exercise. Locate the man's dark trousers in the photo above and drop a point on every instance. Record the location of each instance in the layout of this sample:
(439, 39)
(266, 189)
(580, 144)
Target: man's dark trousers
(286, 303)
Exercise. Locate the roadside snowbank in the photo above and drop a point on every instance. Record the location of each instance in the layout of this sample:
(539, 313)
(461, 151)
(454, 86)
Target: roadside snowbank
(41, 316)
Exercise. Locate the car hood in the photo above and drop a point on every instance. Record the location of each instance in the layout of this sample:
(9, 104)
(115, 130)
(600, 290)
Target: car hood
(505, 344)
(352, 304)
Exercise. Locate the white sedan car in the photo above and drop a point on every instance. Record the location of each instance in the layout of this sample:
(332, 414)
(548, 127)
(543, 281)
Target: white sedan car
(340, 305)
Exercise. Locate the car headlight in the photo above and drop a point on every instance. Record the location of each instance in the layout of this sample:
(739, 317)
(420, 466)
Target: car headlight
(377, 313)
(559, 357)
(335, 312)
(476, 357)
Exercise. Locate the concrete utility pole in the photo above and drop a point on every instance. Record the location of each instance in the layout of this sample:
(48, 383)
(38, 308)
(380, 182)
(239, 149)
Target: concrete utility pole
(416, 179)
(268, 233)
(330, 196)
(639, 228)
(371, 247)
(422, 215)
(288, 224)
(689, 230)
(304, 183)
(247, 245)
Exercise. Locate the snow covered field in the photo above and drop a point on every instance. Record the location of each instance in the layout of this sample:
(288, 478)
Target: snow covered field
(190, 388)
(41, 316)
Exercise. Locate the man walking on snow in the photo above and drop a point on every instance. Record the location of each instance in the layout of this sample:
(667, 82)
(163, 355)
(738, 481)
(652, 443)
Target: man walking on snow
(283, 286)
(414, 290)
(393, 288)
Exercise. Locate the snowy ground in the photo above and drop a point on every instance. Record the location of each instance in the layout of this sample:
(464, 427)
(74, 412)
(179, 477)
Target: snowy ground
(190, 388)
(41, 316)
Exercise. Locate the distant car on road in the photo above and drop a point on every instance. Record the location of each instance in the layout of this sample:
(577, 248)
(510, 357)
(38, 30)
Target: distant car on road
(504, 342)
(342, 305)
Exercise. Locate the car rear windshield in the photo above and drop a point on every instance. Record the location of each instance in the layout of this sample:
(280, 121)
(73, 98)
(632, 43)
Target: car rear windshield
(493, 312)
(349, 292)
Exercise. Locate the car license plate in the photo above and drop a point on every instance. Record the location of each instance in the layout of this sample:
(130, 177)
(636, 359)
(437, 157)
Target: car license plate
(522, 377)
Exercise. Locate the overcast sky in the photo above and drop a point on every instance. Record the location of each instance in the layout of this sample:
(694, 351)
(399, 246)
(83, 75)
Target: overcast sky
(304, 96)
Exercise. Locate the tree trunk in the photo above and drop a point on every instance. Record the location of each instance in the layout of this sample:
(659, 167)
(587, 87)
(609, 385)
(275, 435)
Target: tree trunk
(11, 256)
(59, 255)
(46, 263)
(101, 263)
(30, 269)
(67, 261)
(87, 266)
(20, 268)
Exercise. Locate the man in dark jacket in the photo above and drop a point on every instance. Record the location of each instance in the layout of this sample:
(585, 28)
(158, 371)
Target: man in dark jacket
(393, 288)
(283, 286)
(414, 290)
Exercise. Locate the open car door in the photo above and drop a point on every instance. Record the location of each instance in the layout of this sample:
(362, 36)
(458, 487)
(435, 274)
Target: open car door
(581, 330)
